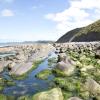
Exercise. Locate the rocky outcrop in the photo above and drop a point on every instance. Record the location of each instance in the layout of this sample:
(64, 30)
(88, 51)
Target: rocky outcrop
(77, 46)
(53, 94)
(24, 56)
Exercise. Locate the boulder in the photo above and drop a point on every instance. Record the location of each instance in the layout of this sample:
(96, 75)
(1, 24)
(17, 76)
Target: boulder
(62, 57)
(53, 94)
(21, 68)
(92, 86)
(66, 67)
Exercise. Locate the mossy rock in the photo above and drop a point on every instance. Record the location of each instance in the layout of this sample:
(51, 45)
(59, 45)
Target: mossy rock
(1, 87)
(11, 97)
(67, 94)
(52, 60)
(85, 95)
(11, 83)
(52, 94)
(3, 97)
(25, 98)
(58, 73)
(1, 81)
(36, 63)
(44, 74)
(65, 84)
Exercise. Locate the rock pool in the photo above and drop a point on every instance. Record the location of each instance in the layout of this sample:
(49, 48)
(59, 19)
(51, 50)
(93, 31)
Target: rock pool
(30, 85)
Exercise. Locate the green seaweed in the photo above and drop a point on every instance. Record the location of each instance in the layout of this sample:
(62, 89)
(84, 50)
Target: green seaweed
(58, 73)
(44, 74)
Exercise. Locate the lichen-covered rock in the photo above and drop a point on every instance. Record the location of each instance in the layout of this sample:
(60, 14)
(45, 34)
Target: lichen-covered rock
(44, 74)
(53, 94)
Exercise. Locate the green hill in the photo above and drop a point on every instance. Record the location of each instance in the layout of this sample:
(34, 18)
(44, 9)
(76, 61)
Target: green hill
(85, 34)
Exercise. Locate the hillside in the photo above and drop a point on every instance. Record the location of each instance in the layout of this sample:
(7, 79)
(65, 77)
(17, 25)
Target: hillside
(85, 34)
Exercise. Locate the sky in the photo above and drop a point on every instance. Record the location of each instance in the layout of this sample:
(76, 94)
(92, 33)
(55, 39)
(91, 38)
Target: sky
(33, 20)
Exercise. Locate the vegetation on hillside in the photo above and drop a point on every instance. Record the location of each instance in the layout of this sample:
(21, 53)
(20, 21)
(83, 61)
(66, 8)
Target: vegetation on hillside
(87, 34)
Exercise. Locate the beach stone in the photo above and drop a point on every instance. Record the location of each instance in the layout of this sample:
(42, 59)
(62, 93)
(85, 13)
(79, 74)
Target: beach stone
(53, 94)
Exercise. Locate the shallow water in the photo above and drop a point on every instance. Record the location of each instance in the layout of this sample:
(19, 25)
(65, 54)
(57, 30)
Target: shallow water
(2, 55)
(30, 85)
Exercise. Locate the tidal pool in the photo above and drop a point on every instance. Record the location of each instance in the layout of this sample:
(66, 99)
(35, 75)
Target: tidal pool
(30, 85)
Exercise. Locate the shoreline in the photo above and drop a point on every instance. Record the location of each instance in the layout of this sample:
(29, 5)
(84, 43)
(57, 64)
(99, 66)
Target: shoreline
(24, 57)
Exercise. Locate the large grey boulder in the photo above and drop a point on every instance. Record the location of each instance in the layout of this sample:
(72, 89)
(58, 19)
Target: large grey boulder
(67, 67)
(65, 64)
(21, 68)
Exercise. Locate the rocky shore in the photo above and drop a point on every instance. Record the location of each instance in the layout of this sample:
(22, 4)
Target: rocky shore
(75, 69)
(78, 70)
(19, 59)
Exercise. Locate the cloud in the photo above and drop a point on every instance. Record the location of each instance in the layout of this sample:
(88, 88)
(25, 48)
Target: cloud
(79, 14)
(34, 7)
(7, 13)
(7, 1)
